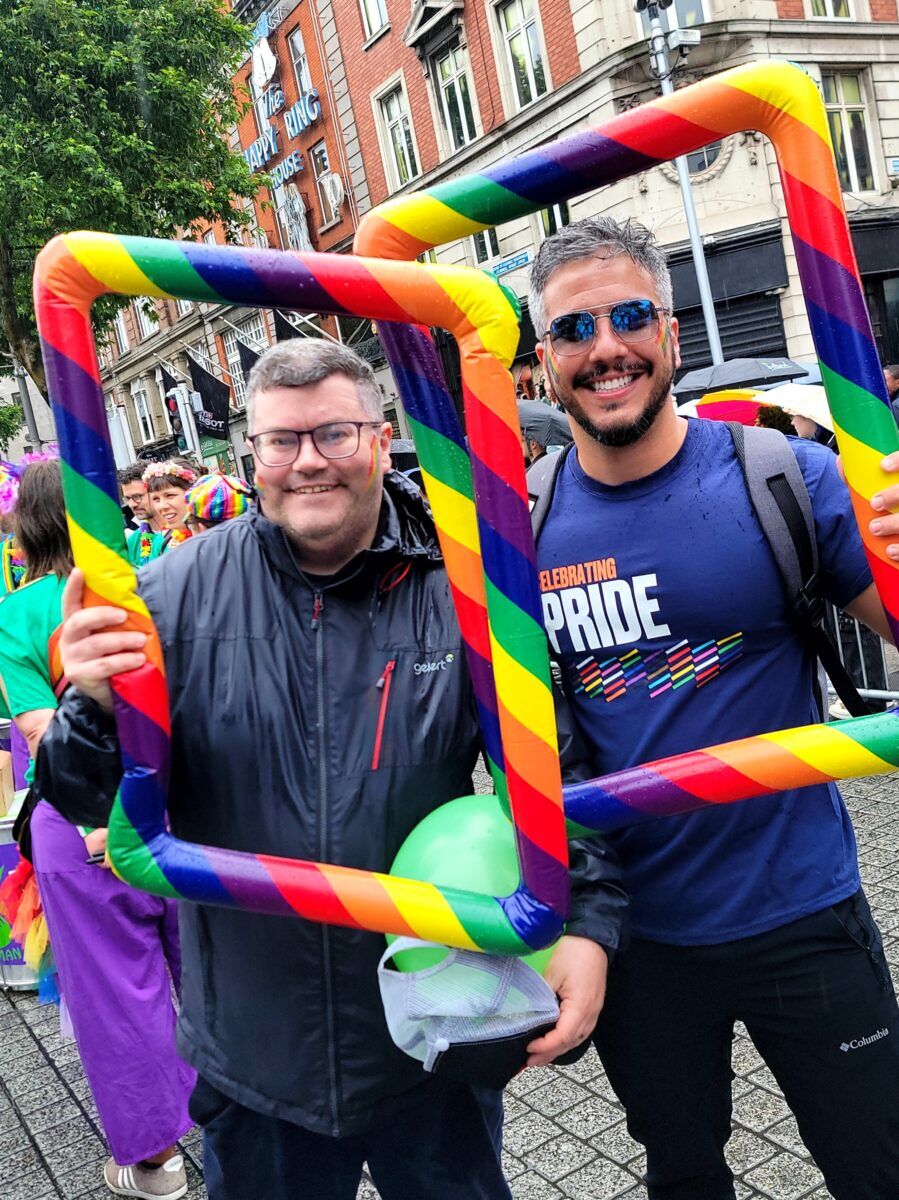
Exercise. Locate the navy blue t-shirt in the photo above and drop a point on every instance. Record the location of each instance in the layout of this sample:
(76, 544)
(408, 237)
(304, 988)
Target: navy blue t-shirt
(664, 606)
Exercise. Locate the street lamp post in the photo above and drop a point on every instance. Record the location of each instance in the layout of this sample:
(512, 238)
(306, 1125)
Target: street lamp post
(661, 69)
(27, 410)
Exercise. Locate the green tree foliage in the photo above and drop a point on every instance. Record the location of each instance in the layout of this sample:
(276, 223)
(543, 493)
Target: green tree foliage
(114, 115)
(11, 421)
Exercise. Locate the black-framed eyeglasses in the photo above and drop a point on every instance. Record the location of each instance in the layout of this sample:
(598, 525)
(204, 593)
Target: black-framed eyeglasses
(631, 321)
(335, 439)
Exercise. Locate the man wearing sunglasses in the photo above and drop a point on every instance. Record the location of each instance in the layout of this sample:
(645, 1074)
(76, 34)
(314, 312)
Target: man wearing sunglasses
(309, 720)
(667, 617)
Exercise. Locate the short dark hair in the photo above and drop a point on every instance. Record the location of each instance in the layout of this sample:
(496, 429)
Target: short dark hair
(41, 529)
(302, 362)
(772, 416)
(133, 473)
(174, 472)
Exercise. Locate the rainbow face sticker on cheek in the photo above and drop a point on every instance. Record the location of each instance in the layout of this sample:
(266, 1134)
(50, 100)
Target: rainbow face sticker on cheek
(374, 464)
(551, 358)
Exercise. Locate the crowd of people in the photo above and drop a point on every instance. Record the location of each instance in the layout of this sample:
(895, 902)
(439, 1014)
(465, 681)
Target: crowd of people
(113, 950)
(303, 725)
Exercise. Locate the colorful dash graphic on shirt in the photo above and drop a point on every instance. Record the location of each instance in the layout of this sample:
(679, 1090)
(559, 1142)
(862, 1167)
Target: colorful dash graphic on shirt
(662, 670)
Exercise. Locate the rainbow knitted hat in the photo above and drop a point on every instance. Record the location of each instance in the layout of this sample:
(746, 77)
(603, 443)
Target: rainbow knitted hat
(217, 497)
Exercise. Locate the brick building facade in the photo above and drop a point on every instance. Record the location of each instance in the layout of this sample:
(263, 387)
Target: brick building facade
(535, 70)
(411, 93)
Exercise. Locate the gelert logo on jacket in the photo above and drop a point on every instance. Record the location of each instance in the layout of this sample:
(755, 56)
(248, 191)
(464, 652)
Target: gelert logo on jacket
(426, 668)
(857, 1043)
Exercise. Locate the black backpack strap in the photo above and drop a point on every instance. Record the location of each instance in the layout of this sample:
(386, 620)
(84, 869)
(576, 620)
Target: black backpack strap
(781, 501)
(541, 477)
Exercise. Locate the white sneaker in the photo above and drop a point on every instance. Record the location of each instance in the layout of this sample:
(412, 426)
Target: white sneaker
(838, 711)
(168, 1181)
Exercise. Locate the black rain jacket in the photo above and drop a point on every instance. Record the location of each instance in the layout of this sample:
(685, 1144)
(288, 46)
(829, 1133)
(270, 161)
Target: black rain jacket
(316, 720)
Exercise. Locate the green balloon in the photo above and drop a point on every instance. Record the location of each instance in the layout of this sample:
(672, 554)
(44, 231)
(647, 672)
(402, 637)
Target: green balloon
(468, 843)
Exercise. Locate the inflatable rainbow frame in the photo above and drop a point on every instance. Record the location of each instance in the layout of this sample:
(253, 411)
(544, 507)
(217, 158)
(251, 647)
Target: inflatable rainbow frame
(479, 501)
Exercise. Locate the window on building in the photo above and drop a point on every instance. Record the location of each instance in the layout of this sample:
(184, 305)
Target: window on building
(683, 14)
(403, 164)
(147, 320)
(455, 97)
(318, 157)
(553, 219)
(209, 237)
(835, 9)
(293, 219)
(185, 307)
(300, 62)
(427, 256)
(700, 160)
(121, 333)
(844, 100)
(374, 16)
(257, 96)
(142, 410)
(524, 54)
(252, 334)
(486, 246)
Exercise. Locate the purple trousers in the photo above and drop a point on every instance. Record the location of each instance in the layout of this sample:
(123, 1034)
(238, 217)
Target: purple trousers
(117, 954)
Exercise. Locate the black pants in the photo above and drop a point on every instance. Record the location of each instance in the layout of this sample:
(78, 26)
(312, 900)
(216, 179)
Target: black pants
(444, 1145)
(818, 1003)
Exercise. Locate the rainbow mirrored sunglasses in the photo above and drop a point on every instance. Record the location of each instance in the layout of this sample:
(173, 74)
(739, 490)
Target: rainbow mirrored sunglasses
(631, 320)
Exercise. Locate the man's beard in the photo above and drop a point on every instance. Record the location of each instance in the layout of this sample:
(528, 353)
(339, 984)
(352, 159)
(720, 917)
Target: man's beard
(627, 432)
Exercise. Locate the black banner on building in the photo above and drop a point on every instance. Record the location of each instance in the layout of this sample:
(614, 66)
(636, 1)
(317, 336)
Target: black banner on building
(284, 330)
(212, 420)
(248, 358)
(169, 382)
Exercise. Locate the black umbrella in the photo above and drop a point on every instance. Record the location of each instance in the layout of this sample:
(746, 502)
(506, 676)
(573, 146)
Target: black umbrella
(402, 454)
(548, 426)
(737, 372)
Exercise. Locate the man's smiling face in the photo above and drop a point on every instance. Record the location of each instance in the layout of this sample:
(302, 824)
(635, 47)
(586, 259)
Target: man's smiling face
(614, 389)
(135, 496)
(322, 502)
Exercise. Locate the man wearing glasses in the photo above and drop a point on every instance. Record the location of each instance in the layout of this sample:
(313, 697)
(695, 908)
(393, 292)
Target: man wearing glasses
(667, 616)
(303, 725)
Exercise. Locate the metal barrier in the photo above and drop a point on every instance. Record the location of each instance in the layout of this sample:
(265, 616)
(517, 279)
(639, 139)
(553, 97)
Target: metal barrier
(865, 656)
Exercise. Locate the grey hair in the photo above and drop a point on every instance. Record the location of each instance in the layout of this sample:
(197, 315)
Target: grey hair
(582, 240)
(301, 362)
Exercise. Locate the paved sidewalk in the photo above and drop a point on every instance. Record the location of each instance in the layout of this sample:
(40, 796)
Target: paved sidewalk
(565, 1132)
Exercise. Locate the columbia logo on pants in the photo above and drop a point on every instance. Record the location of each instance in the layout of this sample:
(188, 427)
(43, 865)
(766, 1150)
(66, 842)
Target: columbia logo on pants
(857, 1043)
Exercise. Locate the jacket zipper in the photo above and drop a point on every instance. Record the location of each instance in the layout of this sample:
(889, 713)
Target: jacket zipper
(383, 685)
(318, 604)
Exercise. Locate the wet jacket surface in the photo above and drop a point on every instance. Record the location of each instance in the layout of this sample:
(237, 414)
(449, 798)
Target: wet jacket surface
(316, 720)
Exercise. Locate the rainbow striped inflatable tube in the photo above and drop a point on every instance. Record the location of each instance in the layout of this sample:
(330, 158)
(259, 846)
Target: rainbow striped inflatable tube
(781, 101)
(775, 98)
(479, 501)
(509, 647)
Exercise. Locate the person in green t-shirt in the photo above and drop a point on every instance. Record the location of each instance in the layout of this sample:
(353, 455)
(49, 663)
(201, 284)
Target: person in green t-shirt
(116, 948)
